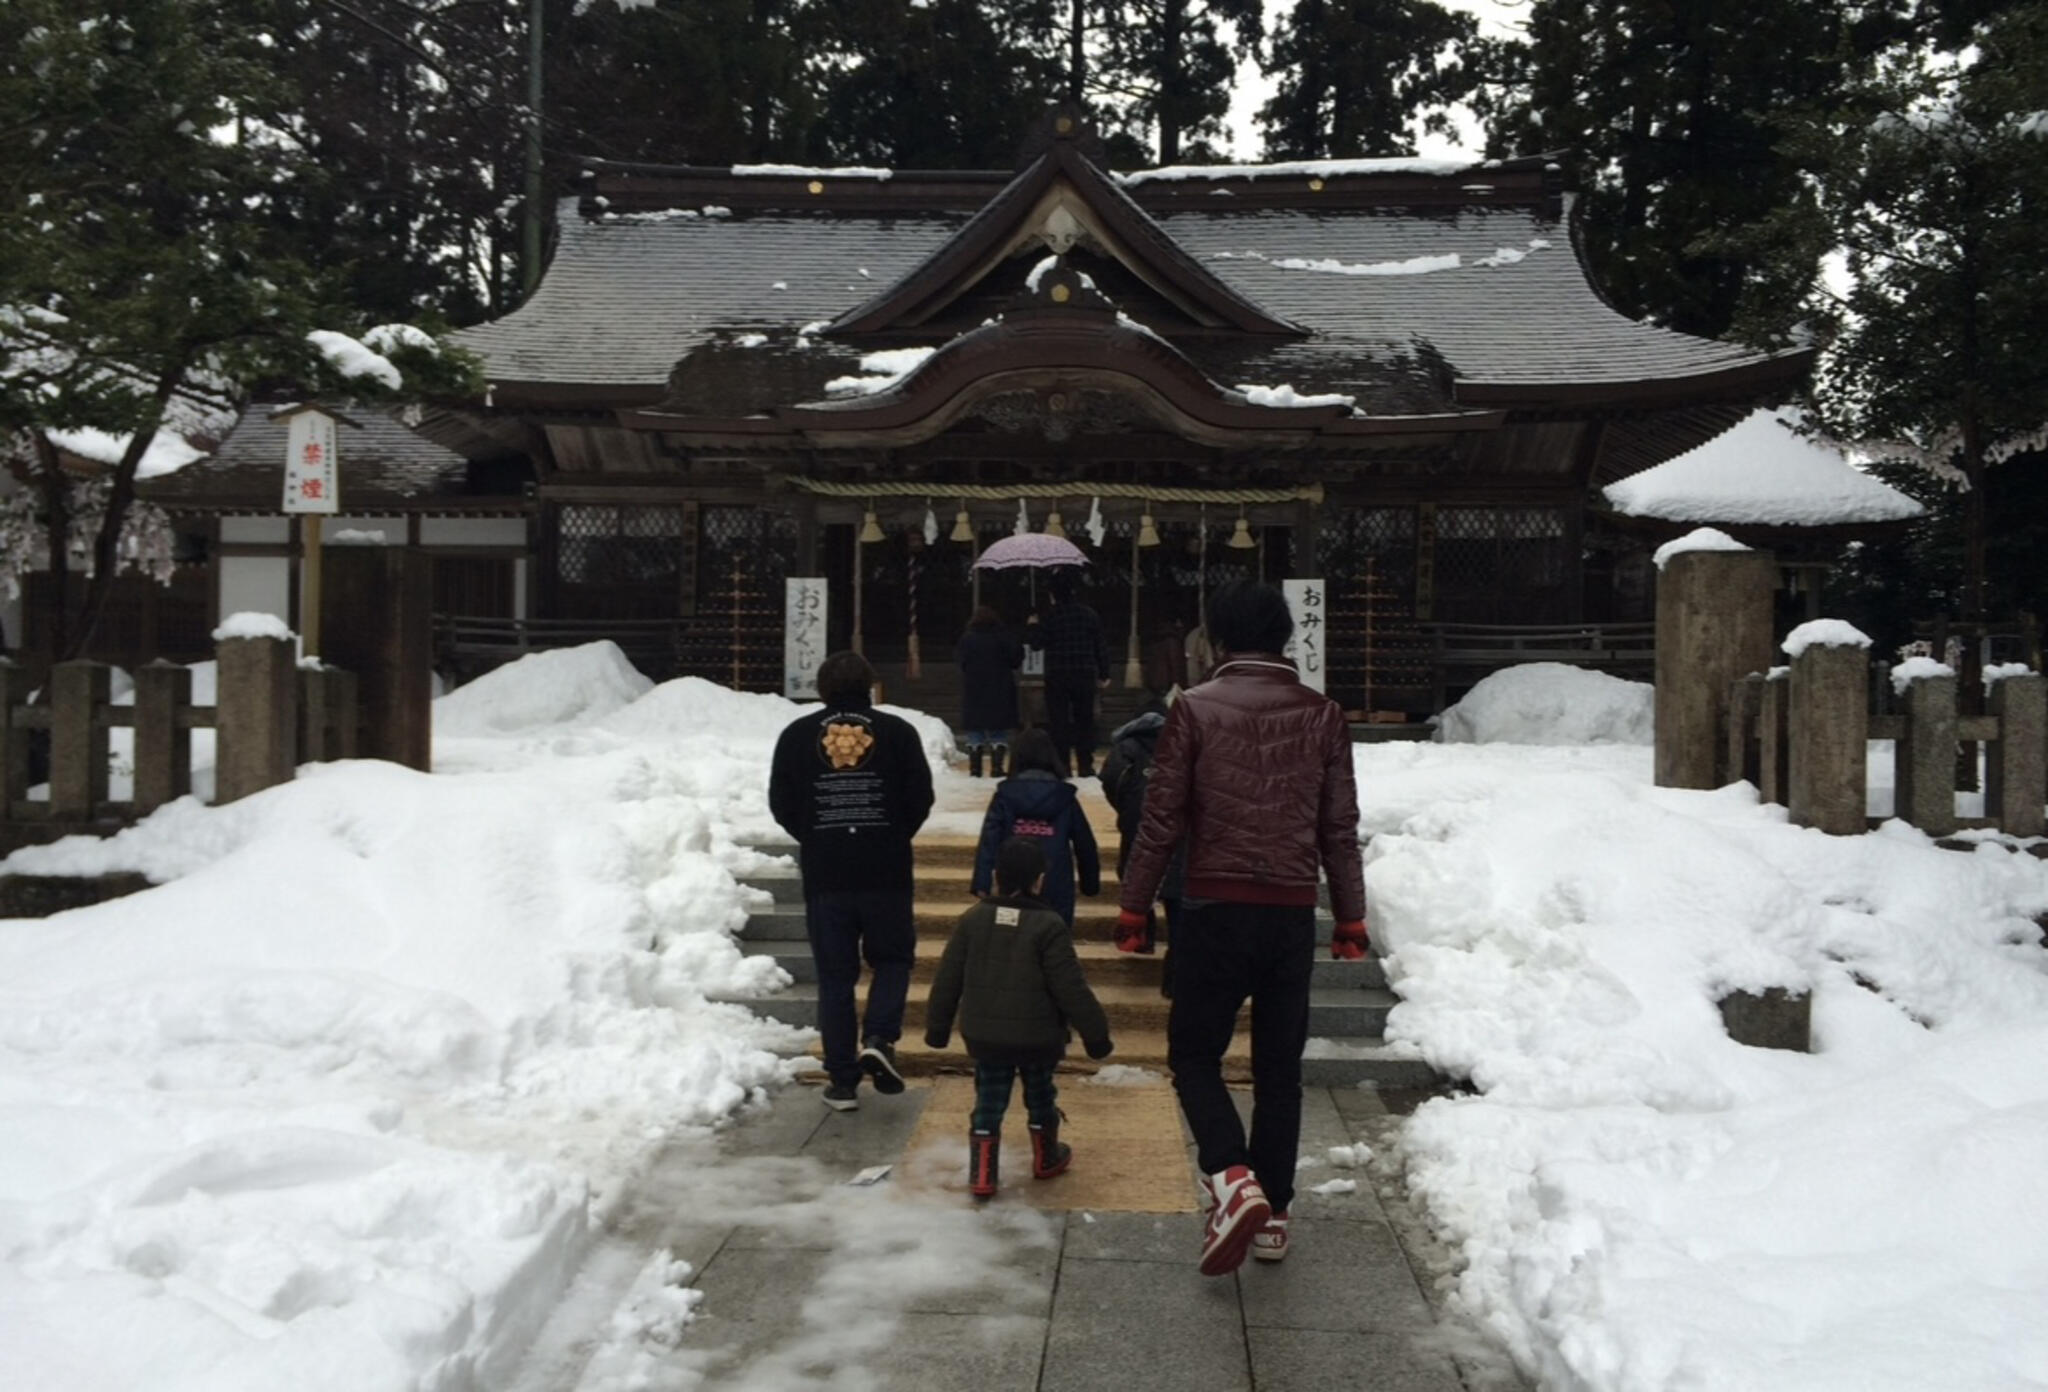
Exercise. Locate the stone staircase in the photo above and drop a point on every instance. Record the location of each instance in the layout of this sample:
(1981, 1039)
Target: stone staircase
(1348, 1001)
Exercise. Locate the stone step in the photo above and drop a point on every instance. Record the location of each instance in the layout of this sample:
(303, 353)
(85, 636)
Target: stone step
(1333, 1012)
(1094, 920)
(1104, 965)
(1328, 1062)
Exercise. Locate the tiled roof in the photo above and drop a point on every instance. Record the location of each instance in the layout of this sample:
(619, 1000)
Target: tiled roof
(1492, 295)
(384, 465)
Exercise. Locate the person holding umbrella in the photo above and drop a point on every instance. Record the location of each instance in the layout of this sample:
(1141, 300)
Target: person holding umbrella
(1076, 667)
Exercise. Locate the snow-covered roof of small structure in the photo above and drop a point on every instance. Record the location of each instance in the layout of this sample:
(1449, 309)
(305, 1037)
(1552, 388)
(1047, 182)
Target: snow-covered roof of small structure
(1761, 472)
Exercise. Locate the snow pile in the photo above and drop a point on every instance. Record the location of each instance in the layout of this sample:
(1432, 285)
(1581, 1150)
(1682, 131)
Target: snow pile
(250, 623)
(1698, 539)
(1642, 1203)
(1761, 472)
(1917, 669)
(1550, 703)
(166, 453)
(1329, 265)
(541, 690)
(1286, 395)
(880, 370)
(1824, 633)
(336, 1104)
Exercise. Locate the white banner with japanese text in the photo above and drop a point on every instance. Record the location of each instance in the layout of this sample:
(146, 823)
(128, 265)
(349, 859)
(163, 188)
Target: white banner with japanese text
(310, 483)
(803, 635)
(1305, 603)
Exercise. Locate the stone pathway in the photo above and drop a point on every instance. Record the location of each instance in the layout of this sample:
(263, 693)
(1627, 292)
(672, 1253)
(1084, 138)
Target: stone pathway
(797, 1280)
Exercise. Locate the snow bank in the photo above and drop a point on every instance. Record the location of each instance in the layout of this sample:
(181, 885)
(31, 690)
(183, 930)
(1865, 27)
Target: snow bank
(1551, 703)
(1641, 1203)
(335, 1105)
(542, 690)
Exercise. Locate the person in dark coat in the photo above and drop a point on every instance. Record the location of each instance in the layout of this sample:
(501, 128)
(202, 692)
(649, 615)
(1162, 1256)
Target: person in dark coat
(1037, 801)
(1076, 668)
(989, 656)
(1125, 775)
(852, 785)
(1012, 978)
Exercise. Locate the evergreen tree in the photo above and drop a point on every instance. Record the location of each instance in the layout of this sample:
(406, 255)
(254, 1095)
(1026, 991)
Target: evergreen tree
(1354, 77)
(137, 265)
(1166, 67)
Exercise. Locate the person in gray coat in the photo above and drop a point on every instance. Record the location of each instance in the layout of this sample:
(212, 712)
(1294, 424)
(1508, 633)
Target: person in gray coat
(1011, 976)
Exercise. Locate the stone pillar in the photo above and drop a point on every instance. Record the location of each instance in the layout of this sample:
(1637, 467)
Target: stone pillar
(1774, 744)
(257, 717)
(327, 714)
(379, 624)
(163, 741)
(1713, 626)
(1743, 755)
(2016, 774)
(1924, 764)
(1829, 725)
(14, 686)
(78, 739)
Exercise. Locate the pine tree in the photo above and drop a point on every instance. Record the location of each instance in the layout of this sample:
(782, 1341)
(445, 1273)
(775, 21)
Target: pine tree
(1166, 67)
(1354, 78)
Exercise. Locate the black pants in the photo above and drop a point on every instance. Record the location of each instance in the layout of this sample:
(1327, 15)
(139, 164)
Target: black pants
(1070, 714)
(1222, 954)
(843, 928)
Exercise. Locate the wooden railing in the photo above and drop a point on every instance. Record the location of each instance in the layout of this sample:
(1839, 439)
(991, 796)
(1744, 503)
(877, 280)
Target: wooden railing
(710, 646)
(1461, 650)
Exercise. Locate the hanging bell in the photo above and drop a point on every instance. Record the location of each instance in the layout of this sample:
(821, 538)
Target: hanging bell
(1052, 524)
(1148, 535)
(1241, 539)
(871, 530)
(963, 530)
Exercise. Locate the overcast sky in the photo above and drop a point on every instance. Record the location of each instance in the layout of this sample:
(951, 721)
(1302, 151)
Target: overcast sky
(1495, 16)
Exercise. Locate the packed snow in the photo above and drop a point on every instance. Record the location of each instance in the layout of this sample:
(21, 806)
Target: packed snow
(341, 1103)
(250, 623)
(1698, 539)
(1918, 669)
(1286, 395)
(1761, 472)
(1824, 633)
(880, 370)
(1330, 265)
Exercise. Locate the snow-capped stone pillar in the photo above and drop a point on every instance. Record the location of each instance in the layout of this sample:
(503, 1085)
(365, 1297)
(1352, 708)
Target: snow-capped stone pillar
(257, 712)
(1774, 738)
(163, 742)
(1713, 626)
(78, 740)
(2016, 773)
(1829, 727)
(1924, 758)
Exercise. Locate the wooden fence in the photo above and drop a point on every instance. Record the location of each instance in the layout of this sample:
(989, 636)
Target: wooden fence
(270, 716)
(1802, 733)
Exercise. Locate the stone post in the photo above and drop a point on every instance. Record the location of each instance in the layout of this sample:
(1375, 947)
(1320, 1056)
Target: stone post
(327, 714)
(2017, 771)
(378, 603)
(1829, 727)
(257, 717)
(13, 737)
(78, 739)
(1713, 626)
(1745, 704)
(1774, 743)
(1924, 767)
(163, 742)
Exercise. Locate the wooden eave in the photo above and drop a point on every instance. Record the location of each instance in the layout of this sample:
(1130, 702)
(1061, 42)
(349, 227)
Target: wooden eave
(1744, 381)
(1762, 536)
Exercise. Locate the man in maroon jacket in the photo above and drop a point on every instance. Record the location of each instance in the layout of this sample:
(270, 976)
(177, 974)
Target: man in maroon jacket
(1253, 769)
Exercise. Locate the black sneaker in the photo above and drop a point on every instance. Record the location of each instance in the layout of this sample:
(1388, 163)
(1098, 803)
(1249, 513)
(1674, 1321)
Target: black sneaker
(842, 1097)
(878, 1060)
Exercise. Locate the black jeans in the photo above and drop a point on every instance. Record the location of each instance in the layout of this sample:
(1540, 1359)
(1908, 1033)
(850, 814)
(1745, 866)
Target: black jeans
(1222, 954)
(843, 927)
(1070, 713)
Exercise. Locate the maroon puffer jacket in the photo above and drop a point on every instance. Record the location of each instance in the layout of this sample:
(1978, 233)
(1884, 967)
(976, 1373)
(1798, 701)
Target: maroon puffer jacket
(1254, 769)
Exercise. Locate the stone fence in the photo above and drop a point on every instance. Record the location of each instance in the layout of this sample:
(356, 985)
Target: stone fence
(1801, 732)
(270, 716)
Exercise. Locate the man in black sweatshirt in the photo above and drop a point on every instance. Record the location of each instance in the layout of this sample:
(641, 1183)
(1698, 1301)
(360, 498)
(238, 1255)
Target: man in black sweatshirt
(851, 784)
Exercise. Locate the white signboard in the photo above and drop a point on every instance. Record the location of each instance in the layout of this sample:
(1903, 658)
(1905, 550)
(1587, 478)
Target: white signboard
(310, 476)
(1311, 625)
(803, 635)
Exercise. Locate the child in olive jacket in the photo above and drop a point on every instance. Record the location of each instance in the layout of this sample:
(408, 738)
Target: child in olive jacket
(1011, 976)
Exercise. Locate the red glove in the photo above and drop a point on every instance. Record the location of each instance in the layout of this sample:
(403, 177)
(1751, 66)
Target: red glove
(1347, 941)
(1130, 930)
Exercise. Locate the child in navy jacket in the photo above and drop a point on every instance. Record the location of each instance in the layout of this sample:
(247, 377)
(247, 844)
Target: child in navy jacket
(1038, 802)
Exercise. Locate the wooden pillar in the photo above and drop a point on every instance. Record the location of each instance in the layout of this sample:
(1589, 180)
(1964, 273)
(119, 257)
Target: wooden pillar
(1829, 724)
(2016, 774)
(1924, 757)
(1713, 626)
(1743, 758)
(380, 626)
(163, 741)
(14, 689)
(256, 716)
(1308, 551)
(78, 738)
(1773, 742)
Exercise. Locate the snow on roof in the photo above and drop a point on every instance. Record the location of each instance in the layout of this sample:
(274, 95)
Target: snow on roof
(1761, 472)
(803, 171)
(166, 453)
(1318, 169)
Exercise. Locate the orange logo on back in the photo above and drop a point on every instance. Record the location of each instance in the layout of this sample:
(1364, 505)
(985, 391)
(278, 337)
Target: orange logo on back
(847, 745)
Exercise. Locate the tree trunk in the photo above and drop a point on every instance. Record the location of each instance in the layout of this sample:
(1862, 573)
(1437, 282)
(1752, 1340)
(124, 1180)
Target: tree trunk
(1077, 52)
(1172, 79)
(106, 546)
(57, 521)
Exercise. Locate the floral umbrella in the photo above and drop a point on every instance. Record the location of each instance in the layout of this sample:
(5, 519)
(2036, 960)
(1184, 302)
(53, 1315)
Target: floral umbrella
(1035, 550)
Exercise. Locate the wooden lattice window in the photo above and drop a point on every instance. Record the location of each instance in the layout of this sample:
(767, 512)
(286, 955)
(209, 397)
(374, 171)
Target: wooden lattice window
(1502, 565)
(624, 561)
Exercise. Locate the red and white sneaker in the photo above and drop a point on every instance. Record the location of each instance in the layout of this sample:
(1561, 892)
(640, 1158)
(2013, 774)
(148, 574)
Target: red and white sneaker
(1270, 1242)
(1237, 1211)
